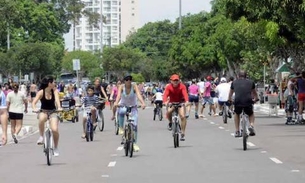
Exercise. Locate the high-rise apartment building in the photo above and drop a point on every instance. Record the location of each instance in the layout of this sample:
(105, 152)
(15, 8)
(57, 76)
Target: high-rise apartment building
(122, 18)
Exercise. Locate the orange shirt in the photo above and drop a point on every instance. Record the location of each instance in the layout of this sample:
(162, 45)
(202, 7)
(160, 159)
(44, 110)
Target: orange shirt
(175, 94)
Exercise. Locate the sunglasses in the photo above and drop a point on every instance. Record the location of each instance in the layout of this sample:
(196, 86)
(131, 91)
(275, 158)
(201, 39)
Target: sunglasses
(176, 80)
(128, 79)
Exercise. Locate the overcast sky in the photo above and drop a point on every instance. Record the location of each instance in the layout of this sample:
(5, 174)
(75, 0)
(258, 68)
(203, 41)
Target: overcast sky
(155, 10)
(158, 10)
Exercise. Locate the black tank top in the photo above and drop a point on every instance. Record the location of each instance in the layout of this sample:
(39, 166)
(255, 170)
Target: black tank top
(48, 104)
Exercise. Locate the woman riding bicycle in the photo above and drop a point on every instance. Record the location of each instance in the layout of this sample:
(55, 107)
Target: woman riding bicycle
(127, 96)
(49, 98)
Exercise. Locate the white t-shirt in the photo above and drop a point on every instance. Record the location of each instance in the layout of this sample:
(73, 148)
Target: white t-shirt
(159, 96)
(16, 101)
(223, 90)
(201, 86)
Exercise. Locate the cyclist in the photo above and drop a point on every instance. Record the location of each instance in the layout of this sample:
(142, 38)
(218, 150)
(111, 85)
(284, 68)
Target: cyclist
(127, 96)
(176, 91)
(223, 90)
(3, 116)
(244, 90)
(88, 101)
(158, 100)
(99, 91)
(49, 98)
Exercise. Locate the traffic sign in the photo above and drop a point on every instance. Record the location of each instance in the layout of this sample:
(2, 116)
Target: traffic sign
(76, 64)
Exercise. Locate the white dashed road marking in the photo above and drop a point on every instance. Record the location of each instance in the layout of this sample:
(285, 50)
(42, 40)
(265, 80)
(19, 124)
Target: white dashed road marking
(212, 123)
(105, 176)
(277, 161)
(250, 144)
(112, 164)
(221, 127)
(119, 148)
(263, 152)
(295, 171)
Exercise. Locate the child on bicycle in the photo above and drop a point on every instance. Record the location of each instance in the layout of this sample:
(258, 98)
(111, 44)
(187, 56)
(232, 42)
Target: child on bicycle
(158, 99)
(88, 103)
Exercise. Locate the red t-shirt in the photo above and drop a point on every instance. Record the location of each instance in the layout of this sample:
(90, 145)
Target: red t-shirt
(175, 94)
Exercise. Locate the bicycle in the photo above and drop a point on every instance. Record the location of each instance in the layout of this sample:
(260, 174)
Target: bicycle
(48, 145)
(129, 134)
(225, 113)
(100, 115)
(176, 128)
(116, 123)
(158, 112)
(244, 123)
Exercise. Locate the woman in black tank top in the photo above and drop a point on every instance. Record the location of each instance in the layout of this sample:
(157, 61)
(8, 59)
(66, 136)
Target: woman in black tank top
(49, 98)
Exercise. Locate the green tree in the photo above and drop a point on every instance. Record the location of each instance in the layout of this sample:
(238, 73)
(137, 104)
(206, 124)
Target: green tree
(89, 63)
(120, 60)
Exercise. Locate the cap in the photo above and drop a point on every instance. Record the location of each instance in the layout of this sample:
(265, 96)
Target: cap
(175, 77)
(223, 80)
(128, 76)
(209, 78)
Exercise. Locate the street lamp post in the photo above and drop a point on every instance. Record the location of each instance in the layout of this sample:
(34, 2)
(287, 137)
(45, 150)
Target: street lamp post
(180, 18)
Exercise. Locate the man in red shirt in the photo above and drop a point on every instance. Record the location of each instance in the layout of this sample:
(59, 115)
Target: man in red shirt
(177, 93)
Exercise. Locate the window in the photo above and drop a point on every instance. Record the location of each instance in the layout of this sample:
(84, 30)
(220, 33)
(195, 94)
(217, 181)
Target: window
(132, 14)
(132, 2)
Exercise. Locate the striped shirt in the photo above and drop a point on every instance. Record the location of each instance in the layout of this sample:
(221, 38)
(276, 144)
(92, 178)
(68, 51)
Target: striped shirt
(89, 101)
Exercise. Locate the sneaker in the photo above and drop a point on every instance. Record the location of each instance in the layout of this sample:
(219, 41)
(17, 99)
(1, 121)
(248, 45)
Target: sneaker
(220, 113)
(121, 131)
(15, 138)
(40, 141)
(196, 116)
(230, 114)
(136, 148)
(237, 134)
(182, 137)
(187, 116)
(169, 127)
(56, 152)
(251, 130)
(210, 114)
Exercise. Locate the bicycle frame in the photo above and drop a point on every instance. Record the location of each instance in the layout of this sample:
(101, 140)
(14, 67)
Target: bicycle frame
(175, 123)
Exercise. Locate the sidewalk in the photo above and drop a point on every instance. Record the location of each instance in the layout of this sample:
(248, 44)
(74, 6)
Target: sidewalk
(30, 126)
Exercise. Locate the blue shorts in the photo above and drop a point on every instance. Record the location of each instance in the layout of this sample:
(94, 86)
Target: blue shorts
(208, 100)
(193, 98)
(222, 103)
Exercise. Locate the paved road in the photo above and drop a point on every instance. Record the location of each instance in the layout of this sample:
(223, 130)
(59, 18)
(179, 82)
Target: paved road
(210, 154)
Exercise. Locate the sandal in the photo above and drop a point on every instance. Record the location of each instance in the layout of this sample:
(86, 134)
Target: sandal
(83, 136)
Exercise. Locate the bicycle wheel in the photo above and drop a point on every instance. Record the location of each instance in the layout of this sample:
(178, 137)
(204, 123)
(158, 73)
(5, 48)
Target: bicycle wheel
(175, 134)
(131, 140)
(244, 133)
(101, 122)
(116, 126)
(224, 115)
(48, 148)
(88, 130)
(126, 141)
(155, 113)
(160, 114)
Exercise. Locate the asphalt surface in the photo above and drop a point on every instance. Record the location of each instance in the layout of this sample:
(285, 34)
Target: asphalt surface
(209, 154)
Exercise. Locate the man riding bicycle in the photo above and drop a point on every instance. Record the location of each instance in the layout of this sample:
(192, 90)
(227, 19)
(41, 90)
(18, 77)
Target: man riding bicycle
(244, 92)
(223, 90)
(177, 93)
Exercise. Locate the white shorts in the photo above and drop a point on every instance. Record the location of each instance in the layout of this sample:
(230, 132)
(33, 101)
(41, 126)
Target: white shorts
(215, 100)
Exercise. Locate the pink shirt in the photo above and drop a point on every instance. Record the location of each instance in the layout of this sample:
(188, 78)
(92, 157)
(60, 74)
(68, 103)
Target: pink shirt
(207, 87)
(193, 89)
(115, 91)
